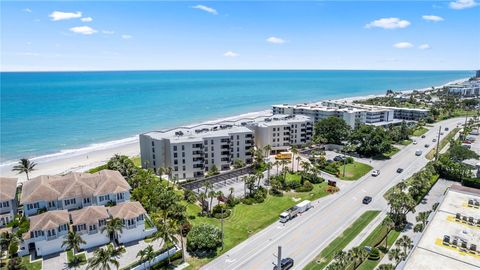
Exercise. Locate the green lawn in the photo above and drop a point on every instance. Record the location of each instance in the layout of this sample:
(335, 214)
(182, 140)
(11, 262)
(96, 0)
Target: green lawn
(82, 256)
(405, 142)
(339, 243)
(392, 152)
(37, 265)
(293, 177)
(354, 171)
(247, 220)
(443, 143)
(419, 131)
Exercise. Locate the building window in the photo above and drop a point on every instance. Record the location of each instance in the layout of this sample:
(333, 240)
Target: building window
(184, 176)
(153, 143)
(213, 161)
(6, 204)
(211, 142)
(174, 148)
(183, 168)
(174, 155)
(120, 196)
(153, 150)
(153, 156)
(102, 222)
(176, 168)
(51, 204)
(183, 147)
(205, 142)
(183, 161)
(183, 154)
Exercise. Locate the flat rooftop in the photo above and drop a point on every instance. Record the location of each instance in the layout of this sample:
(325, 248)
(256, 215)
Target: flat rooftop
(281, 120)
(431, 252)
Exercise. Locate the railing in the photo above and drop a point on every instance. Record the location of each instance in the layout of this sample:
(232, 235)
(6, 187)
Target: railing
(194, 184)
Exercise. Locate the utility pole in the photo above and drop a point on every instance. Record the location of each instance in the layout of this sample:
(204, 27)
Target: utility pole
(279, 259)
(438, 143)
(223, 235)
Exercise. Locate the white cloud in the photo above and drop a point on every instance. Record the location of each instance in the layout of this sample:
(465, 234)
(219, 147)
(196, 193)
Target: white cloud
(86, 19)
(27, 10)
(126, 36)
(108, 32)
(388, 23)
(462, 4)
(275, 40)
(207, 9)
(84, 30)
(59, 15)
(424, 47)
(403, 45)
(432, 18)
(230, 54)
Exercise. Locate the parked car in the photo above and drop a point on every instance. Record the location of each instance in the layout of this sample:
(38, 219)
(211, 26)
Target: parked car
(446, 129)
(367, 200)
(414, 142)
(376, 173)
(427, 145)
(434, 140)
(418, 152)
(441, 133)
(287, 263)
(423, 136)
(338, 158)
(399, 170)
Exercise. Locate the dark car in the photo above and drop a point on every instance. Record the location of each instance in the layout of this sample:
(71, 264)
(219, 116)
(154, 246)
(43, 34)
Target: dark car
(287, 263)
(446, 129)
(427, 145)
(367, 200)
(399, 170)
(338, 158)
(423, 136)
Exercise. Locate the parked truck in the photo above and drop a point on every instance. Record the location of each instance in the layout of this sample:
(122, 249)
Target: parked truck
(292, 212)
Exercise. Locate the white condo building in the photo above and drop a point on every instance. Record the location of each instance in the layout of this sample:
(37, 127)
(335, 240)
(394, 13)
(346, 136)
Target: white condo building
(191, 152)
(467, 89)
(283, 131)
(8, 201)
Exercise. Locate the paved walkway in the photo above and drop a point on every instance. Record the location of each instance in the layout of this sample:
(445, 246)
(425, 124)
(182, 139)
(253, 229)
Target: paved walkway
(55, 261)
(435, 195)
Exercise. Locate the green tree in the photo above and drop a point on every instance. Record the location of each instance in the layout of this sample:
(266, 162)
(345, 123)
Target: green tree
(400, 203)
(73, 241)
(389, 224)
(204, 238)
(104, 258)
(122, 164)
(146, 255)
(395, 255)
(213, 170)
(405, 243)
(386, 267)
(113, 227)
(422, 217)
(460, 153)
(24, 166)
(332, 130)
(370, 140)
(238, 163)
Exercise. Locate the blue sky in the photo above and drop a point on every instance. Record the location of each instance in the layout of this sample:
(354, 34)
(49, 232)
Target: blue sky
(240, 35)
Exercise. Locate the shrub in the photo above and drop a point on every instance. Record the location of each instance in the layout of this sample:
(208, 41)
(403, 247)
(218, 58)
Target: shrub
(248, 201)
(314, 179)
(374, 254)
(204, 238)
(110, 204)
(349, 160)
(307, 186)
(276, 192)
(189, 196)
(331, 189)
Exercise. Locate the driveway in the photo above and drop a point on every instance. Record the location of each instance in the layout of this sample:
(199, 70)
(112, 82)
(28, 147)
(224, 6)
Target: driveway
(55, 261)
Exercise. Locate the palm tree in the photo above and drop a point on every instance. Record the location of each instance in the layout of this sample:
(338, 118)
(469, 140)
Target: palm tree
(276, 164)
(268, 166)
(358, 255)
(395, 255)
(166, 231)
(231, 189)
(113, 227)
(24, 166)
(405, 243)
(211, 195)
(389, 224)
(423, 218)
(298, 158)
(267, 148)
(294, 151)
(244, 180)
(103, 258)
(73, 241)
(202, 197)
(259, 177)
(386, 267)
(146, 255)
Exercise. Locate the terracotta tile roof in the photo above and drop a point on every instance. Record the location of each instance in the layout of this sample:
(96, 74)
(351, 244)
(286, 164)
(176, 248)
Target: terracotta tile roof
(8, 188)
(89, 215)
(73, 185)
(49, 220)
(127, 210)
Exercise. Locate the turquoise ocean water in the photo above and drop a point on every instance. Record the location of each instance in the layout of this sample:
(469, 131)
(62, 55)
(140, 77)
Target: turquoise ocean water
(48, 112)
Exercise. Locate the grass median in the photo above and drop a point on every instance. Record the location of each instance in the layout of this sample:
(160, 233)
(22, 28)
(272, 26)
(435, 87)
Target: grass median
(339, 243)
(354, 171)
(443, 142)
(419, 131)
(247, 220)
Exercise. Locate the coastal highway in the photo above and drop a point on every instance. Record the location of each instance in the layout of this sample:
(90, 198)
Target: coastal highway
(305, 236)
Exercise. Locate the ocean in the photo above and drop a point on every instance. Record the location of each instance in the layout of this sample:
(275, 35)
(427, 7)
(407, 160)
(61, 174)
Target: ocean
(50, 112)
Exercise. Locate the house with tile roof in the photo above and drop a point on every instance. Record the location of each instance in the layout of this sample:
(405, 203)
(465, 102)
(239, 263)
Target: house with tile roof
(88, 222)
(46, 234)
(73, 191)
(134, 218)
(8, 200)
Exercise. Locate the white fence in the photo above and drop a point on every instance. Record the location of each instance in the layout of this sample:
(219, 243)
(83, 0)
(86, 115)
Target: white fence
(159, 258)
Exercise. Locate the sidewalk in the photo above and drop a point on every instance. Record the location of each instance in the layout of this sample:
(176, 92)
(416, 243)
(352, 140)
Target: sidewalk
(435, 195)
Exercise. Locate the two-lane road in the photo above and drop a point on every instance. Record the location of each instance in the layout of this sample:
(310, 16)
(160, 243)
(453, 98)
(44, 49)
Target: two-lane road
(305, 236)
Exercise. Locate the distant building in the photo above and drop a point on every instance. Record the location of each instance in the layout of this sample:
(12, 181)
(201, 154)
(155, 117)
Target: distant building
(477, 74)
(191, 152)
(466, 89)
(8, 200)
(283, 131)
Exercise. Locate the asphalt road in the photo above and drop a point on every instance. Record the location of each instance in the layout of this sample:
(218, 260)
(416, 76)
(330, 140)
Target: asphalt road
(305, 236)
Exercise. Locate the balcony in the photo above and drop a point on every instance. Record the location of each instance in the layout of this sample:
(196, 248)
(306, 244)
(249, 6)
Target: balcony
(93, 231)
(52, 237)
(223, 153)
(225, 146)
(132, 226)
(249, 142)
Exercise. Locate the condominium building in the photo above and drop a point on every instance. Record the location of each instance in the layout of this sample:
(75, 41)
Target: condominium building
(8, 201)
(466, 89)
(283, 131)
(73, 191)
(133, 217)
(46, 234)
(191, 152)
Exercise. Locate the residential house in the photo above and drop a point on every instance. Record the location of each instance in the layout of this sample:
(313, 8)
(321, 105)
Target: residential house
(73, 191)
(8, 200)
(88, 222)
(134, 218)
(46, 234)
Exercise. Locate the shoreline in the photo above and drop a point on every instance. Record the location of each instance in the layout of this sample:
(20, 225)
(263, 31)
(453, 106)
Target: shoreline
(85, 158)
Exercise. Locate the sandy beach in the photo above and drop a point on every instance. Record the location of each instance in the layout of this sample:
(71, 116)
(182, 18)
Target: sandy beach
(83, 159)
